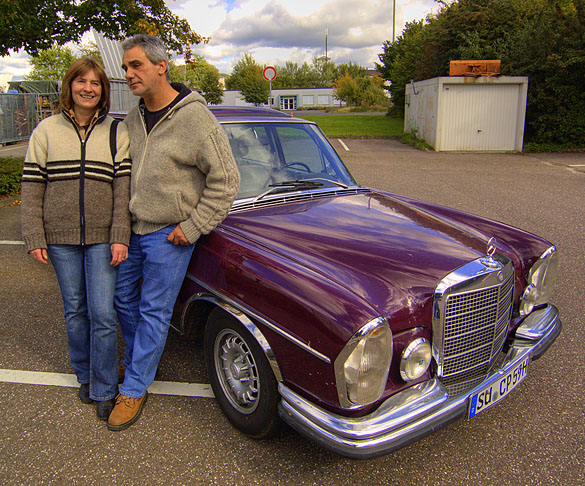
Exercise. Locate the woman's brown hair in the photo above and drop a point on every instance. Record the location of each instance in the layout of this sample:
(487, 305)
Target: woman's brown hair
(79, 68)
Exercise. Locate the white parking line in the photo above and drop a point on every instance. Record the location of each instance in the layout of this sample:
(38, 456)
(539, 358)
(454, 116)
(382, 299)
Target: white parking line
(8, 242)
(68, 380)
(343, 145)
(577, 165)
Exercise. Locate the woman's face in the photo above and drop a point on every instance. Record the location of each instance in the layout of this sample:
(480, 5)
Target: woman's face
(86, 91)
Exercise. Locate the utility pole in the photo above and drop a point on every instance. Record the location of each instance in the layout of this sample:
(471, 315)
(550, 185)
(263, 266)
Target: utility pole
(393, 20)
(326, 33)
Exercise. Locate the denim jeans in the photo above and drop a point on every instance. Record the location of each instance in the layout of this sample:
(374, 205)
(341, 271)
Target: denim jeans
(87, 282)
(145, 311)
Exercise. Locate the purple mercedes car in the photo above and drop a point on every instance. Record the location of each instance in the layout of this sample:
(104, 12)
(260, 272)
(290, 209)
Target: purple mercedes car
(364, 320)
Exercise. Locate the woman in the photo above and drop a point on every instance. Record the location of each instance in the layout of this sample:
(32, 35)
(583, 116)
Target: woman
(75, 191)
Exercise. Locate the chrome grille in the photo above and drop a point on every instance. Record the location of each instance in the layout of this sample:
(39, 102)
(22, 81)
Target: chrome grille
(473, 307)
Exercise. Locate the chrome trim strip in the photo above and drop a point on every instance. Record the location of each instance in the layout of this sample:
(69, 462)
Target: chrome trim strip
(265, 322)
(408, 415)
(251, 327)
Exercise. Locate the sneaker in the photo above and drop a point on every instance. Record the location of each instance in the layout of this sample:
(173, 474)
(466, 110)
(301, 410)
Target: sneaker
(126, 412)
(83, 393)
(105, 408)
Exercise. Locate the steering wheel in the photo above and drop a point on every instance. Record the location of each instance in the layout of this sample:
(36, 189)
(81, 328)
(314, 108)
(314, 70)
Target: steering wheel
(292, 164)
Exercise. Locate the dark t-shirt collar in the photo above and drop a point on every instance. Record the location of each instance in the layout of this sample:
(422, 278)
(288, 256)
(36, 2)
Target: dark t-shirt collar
(151, 118)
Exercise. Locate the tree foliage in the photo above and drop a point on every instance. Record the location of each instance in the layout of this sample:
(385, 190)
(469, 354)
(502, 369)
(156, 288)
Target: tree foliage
(353, 83)
(198, 74)
(51, 64)
(541, 39)
(247, 78)
(36, 25)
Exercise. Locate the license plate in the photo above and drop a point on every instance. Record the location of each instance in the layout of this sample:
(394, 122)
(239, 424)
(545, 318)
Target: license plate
(493, 393)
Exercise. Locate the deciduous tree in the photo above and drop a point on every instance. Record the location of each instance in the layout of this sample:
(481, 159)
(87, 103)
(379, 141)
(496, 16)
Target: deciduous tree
(247, 78)
(35, 25)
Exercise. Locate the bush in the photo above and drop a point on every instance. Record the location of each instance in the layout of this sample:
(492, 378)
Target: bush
(10, 174)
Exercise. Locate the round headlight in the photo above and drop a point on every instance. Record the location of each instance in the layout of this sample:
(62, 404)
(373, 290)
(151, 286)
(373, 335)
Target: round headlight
(416, 359)
(541, 280)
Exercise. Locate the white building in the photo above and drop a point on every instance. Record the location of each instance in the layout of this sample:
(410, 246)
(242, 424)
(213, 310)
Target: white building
(289, 99)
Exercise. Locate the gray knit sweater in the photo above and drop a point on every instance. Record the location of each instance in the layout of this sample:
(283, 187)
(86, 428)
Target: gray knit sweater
(183, 171)
(73, 193)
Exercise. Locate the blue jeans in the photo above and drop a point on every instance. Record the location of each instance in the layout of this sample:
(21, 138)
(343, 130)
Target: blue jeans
(145, 311)
(87, 282)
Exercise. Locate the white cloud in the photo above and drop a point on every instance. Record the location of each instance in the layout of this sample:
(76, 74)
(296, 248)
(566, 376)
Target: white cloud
(276, 31)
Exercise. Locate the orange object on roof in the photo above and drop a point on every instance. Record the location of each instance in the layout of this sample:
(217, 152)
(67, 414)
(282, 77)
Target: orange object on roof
(474, 68)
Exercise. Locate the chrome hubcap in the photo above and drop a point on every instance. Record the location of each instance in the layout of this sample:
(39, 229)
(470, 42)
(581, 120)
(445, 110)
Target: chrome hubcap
(237, 371)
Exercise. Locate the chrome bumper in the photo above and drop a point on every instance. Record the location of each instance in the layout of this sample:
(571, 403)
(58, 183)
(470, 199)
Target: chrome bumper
(412, 413)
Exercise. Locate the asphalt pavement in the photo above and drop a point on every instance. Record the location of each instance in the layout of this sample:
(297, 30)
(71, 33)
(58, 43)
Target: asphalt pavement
(536, 436)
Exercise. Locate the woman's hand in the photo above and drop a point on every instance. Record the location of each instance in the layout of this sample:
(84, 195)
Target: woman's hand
(39, 254)
(119, 253)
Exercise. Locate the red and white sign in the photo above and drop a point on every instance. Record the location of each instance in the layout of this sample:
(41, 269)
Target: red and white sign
(269, 73)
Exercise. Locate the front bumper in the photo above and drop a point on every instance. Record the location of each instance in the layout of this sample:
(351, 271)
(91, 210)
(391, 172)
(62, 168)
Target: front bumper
(415, 412)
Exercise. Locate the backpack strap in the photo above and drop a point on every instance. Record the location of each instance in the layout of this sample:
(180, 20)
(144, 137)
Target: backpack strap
(113, 136)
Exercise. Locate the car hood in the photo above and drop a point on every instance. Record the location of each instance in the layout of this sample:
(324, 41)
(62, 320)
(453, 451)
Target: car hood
(385, 249)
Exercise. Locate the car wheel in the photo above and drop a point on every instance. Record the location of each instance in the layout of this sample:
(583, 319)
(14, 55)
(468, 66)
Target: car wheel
(241, 378)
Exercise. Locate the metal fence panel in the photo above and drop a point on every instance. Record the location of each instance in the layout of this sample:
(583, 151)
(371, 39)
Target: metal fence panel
(18, 116)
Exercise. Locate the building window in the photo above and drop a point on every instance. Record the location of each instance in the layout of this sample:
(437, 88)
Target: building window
(323, 99)
(288, 103)
(308, 100)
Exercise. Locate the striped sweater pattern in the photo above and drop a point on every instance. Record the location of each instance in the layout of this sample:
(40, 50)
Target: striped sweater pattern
(72, 191)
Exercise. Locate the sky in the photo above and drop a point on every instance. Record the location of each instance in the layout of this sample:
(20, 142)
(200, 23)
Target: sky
(276, 31)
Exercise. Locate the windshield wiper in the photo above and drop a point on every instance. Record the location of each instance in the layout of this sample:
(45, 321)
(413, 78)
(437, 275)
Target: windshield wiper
(340, 184)
(289, 185)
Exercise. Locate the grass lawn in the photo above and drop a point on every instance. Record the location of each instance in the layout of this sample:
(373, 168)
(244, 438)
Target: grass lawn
(357, 126)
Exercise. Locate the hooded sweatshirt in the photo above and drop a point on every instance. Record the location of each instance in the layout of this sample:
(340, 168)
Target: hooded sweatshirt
(183, 170)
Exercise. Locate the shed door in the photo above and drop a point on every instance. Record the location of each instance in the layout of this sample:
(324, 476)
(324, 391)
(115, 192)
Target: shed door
(479, 117)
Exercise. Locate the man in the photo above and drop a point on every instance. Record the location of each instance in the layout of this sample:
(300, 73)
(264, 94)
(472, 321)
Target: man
(184, 180)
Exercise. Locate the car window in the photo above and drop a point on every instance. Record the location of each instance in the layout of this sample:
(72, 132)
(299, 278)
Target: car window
(273, 153)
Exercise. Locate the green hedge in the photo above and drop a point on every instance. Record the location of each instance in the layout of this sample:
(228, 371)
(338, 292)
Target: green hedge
(10, 174)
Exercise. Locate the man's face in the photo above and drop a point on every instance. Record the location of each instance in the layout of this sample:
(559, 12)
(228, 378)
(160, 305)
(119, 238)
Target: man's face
(142, 75)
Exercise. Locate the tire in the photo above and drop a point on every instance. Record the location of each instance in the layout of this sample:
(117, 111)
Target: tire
(241, 378)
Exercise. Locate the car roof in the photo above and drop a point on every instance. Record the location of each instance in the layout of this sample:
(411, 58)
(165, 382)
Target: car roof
(246, 111)
(239, 114)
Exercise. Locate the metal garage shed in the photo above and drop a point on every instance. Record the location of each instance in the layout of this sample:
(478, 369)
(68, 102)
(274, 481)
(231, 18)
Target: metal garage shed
(465, 113)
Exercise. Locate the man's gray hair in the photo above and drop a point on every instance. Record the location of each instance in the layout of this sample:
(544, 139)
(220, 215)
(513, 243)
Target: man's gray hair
(154, 48)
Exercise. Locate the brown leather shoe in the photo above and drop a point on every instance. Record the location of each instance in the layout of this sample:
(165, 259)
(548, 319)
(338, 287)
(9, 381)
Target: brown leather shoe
(126, 412)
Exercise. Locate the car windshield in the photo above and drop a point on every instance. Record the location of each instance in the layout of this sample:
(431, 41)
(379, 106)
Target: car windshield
(278, 157)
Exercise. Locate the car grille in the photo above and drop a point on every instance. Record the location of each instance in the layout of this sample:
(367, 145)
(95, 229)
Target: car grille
(472, 313)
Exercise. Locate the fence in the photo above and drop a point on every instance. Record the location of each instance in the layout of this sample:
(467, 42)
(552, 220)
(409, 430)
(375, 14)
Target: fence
(21, 112)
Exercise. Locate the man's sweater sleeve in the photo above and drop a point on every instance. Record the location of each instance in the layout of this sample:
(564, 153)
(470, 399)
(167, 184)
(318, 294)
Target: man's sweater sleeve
(34, 178)
(215, 159)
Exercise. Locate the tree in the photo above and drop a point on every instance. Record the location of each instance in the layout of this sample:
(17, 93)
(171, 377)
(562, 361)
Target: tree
(38, 24)
(247, 78)
(541, 39)
(198, 74)
(347, 89)
(51, 64)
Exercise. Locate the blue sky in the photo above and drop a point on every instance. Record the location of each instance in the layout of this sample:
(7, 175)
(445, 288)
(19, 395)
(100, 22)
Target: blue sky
(284, 30)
